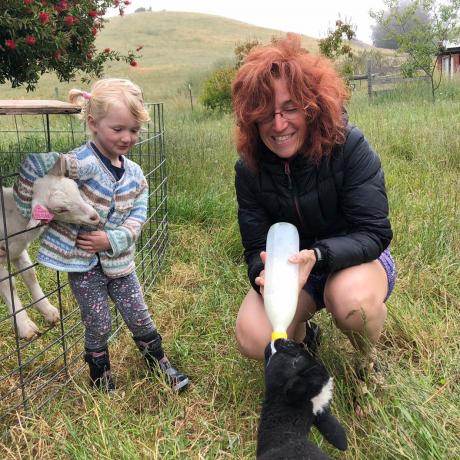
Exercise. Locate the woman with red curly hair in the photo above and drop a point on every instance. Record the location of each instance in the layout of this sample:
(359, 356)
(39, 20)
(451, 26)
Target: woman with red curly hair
(301, 162)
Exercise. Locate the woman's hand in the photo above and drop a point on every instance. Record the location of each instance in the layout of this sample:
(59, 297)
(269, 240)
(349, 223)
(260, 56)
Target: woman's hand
(260, 280)
(306, 259)
(93, 242)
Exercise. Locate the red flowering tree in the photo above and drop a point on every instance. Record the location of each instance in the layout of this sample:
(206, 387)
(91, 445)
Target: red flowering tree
(39, 36)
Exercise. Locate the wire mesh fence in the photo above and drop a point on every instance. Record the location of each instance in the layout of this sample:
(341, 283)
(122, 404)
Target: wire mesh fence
(32, 371)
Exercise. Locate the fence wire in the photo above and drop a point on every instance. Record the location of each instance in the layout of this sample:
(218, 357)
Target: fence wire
(33, 371)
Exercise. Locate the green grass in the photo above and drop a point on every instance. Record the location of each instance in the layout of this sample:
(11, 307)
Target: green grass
(414, 415)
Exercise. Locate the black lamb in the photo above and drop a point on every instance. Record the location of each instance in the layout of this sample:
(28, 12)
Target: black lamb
(298, 392)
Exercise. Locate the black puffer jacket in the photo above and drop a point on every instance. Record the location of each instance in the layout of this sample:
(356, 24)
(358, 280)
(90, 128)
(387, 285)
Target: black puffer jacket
(339, 206)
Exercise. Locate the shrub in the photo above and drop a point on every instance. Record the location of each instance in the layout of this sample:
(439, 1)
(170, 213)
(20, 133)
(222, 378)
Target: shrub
(217, 93)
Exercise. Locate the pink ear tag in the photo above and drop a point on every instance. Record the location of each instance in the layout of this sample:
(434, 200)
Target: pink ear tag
(39, 212)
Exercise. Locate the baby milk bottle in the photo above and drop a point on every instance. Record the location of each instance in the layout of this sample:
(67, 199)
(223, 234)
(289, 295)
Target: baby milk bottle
(281, 277)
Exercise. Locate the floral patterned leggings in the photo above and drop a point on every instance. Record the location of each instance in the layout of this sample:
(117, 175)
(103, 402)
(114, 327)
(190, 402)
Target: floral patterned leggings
(92, 290)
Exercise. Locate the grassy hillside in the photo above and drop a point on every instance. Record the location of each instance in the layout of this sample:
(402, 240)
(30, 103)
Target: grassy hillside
(178, 47)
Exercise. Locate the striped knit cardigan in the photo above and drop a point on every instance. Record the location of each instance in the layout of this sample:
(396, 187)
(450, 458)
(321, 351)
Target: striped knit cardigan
(121, 205)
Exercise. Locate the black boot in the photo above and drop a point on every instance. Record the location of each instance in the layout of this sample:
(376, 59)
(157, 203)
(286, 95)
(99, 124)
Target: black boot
(99, 369)
(150, 347)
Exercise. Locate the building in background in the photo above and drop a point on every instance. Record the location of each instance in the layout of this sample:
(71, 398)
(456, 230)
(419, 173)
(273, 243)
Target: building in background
(449, 60)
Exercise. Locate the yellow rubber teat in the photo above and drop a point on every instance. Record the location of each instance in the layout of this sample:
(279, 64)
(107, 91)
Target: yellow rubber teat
(278, 335)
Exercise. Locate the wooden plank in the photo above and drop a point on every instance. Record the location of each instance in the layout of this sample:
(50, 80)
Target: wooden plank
(360, 77)
(396, 80)
(36, 107)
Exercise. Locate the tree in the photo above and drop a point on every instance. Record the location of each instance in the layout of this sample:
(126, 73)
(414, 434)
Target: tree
(380, 38)
(242, 49)
(421, 41)
(39, 36)
(337, 44)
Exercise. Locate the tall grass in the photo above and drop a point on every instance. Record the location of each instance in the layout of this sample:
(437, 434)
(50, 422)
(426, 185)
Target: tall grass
(414, 415)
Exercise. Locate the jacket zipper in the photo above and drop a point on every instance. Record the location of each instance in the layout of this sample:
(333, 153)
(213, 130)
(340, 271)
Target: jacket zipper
(295, 198)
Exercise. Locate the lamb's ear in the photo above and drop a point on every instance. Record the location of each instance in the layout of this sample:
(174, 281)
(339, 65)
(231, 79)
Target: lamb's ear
(331, 429)
(60, 167)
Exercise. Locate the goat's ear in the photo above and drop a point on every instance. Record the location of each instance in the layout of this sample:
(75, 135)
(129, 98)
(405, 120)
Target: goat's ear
(331, 429)
(59, 168)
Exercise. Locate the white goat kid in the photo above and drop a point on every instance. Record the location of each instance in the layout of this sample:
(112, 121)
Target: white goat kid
(54, 197)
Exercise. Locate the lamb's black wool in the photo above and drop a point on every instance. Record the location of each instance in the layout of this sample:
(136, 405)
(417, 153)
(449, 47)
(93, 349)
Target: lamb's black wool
(297, 395)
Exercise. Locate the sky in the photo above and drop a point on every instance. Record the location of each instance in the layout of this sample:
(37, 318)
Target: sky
(312, 18)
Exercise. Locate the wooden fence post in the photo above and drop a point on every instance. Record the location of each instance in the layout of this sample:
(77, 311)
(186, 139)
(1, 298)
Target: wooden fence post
(369, 78)
(190, 93)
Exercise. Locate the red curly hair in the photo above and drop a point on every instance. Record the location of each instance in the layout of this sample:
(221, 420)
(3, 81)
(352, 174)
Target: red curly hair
(311, 80)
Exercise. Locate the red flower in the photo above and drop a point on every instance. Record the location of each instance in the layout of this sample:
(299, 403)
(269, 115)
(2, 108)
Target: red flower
(61, 6)
(133, 63)
(31, 40)
(28, 2)
(107, 50)
(94, 30)
(127, 2)
(116, 2)
(43, 17)
(11, 44)
(44, 2)
(70, 20)
(89, 56)
(92, 13)
(58, 55)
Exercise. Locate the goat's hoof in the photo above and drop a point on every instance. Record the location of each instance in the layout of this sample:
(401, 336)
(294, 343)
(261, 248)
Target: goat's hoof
(52, 315)
(28, 331)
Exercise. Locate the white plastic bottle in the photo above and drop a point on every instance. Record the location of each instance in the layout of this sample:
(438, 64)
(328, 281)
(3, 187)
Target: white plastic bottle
(281, 277)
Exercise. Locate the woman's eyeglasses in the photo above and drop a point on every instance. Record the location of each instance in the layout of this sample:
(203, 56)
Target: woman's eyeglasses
(287, 114)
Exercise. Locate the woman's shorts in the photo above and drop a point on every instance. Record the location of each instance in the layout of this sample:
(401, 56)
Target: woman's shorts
(316, 283)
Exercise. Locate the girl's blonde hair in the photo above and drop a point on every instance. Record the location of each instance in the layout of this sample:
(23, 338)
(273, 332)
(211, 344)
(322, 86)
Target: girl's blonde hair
(107, 93)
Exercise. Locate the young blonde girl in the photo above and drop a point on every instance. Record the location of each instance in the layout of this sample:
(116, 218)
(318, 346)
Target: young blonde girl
(100, 261)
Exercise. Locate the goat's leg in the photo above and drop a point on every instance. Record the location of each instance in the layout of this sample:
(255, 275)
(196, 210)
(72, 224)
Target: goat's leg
(49, 312)
(26, 327)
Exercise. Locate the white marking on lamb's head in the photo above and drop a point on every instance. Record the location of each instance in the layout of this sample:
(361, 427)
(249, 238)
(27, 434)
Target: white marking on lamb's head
(322, 400)
(60, 195)
(294, 373)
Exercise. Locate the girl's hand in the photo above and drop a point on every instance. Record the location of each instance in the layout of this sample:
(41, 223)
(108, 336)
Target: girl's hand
(93, 242)
(306, 259)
